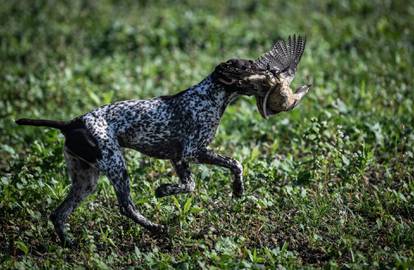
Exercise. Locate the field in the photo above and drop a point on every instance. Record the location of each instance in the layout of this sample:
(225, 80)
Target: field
(329, 184)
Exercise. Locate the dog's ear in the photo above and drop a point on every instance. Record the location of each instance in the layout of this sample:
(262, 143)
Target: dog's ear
(234, 71)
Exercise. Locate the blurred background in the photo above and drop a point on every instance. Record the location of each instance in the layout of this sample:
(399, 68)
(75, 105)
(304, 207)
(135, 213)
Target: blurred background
(331, 183)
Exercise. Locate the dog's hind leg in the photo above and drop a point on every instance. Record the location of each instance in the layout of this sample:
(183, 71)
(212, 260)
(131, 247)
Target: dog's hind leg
(84, 179)
(113, 164)
(209, 157)
(186, 184)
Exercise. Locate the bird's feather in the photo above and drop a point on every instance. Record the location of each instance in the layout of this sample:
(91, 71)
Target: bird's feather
(284, 56)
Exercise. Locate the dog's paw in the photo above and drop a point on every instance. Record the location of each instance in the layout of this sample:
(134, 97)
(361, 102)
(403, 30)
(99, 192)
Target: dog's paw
(159, 230)
(69, 243)
(164, 190)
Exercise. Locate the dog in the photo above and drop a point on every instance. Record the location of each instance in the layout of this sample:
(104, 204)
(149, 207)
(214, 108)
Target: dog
(178, 128)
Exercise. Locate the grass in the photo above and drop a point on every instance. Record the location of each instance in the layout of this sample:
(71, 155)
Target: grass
(330, 184)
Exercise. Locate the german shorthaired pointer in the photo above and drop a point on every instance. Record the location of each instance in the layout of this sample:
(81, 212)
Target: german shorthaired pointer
(177, 127)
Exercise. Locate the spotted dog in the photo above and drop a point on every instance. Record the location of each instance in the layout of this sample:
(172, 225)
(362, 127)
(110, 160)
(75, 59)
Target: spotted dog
(178, 128)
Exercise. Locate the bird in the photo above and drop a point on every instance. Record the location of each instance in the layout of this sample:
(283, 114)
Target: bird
(282, 61)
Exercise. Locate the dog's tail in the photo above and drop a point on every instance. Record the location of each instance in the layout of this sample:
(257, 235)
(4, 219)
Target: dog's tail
(42, 123)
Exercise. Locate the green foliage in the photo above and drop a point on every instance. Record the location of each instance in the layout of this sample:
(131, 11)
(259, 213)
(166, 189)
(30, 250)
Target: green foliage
(329, 184)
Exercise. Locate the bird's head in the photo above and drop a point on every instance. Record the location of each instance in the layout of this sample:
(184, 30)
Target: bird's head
(268, 78)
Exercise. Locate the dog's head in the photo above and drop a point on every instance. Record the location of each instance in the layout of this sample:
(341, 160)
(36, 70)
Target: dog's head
(244, 77)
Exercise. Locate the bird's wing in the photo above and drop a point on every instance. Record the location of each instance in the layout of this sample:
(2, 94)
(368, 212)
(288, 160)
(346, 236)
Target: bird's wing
(284, 57)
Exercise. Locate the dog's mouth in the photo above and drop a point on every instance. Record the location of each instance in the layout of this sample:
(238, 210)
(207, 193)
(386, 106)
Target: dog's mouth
(264, 85)
(261, 103)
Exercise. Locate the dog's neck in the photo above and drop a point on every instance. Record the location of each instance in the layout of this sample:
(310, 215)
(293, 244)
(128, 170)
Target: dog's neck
(216, 92)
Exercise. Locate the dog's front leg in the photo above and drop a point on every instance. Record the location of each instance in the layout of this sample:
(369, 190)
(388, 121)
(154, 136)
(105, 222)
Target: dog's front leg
(186, 184)
(209, 157)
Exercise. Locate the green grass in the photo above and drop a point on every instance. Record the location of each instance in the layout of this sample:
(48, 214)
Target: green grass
(330, 184)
